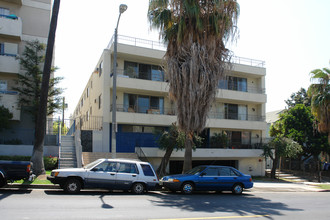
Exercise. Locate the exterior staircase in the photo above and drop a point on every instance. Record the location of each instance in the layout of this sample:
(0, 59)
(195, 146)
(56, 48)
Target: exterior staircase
(67, 153)
(287, 176)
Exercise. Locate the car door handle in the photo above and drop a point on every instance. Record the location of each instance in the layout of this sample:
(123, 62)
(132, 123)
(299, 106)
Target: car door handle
(215, 178)
(134, 175)
(112, 174)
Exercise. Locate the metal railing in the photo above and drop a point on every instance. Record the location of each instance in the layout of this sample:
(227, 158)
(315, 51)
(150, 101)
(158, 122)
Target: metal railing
(248, 61)
(172, 111)
(156, 45)
(253, 143)
(89, 122)
(138, 42)
(141, 75)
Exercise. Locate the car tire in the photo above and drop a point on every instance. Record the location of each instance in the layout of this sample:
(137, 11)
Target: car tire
(72, 186)
(237, 189)
(3, 182)
(187, 188)
(138, 188)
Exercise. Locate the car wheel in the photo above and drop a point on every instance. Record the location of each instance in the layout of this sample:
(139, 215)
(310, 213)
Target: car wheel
(237, 189)
(3, 182)
(72, 185)
(138, 188)
(187, 188)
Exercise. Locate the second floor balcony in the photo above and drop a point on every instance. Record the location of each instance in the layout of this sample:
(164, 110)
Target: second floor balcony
(10, 27)
(9, 63)
(171, 111)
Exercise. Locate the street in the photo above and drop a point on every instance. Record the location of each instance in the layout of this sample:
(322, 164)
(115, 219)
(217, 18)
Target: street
(55, 204)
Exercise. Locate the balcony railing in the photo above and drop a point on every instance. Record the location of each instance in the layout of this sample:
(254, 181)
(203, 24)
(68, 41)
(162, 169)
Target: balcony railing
(172, 111)
(253, 143)
(159, 76)
(241, 117)
(138, 42)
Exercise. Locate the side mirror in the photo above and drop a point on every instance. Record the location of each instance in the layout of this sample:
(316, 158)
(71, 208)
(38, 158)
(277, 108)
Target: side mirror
(203, 174)
(94, 169)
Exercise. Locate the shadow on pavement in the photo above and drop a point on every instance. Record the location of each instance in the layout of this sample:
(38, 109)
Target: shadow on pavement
(222, 202)
(4, 193)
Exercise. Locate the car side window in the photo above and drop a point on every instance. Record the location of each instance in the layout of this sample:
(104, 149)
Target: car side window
(127, 168)
(102, 167)
(226, 171)
(211, 171)
(147, 170)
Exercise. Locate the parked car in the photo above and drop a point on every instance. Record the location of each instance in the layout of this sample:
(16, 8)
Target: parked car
(208, 178)
(115, 174)
(14, 170)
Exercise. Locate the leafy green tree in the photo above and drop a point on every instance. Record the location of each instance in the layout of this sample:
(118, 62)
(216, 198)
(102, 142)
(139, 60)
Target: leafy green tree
(299, 97)
(196, 33)
(281, 147)
(171, 140)
(319, 92)
(297, 123)
(30, 83)
(5, 116)
(219, 140)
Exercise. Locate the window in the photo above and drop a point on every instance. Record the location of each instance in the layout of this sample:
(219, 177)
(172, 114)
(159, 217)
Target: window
(143, 71)
(127, 168)
(87, 92)
(2, 48)
(143, 104)
(226, 171)
(100, 104)
(140, 129)
(233, 83)
(106, 167)
(231, 111)
(147, 170)
(212, 171)
(4, 12)
(3, 85)
(100, 68)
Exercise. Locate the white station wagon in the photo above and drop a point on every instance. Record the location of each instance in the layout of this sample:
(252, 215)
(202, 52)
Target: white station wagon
(114, 174)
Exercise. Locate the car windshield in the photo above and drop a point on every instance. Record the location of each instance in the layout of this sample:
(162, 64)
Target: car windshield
(92, 164)
(196, 170)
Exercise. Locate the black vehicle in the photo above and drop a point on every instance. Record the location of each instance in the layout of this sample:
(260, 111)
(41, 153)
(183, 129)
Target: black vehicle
(14, 170)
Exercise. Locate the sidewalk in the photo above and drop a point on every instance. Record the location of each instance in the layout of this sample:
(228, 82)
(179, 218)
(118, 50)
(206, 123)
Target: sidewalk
(259, 186)
(287, 187)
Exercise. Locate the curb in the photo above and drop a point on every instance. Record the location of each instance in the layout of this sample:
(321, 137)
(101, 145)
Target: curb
(31, 186)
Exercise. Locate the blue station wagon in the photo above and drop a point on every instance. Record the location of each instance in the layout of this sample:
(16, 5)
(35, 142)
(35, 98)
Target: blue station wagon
(208, 178)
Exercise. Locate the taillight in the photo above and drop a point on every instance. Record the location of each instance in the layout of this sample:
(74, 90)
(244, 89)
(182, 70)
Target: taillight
(250, 179)
(28, 168)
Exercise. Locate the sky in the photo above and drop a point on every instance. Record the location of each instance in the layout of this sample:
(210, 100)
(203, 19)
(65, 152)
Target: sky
(291, 36)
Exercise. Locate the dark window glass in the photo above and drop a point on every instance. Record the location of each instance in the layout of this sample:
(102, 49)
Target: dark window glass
(231, 111)
(131, 69)
(127, 168)
(144, 71)
(211, 171)
(147, 170)
(225, 171)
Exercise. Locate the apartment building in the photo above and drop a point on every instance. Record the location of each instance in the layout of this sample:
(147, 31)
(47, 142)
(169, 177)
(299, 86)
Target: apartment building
(235, 127)
(20, 21)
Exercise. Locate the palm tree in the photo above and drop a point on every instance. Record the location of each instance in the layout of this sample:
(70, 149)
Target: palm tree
(319, 91)
(196, 32)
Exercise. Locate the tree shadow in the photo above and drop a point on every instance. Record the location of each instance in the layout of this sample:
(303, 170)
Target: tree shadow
(245, 204)
(4, 193)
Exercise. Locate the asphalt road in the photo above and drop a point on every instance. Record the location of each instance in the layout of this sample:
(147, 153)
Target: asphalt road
(54, 204)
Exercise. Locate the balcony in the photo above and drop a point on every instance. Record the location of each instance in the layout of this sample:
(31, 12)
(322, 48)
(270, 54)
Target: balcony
(172, 112)
(19, 2)
(10, 99)
(10, 27)
(9, 63)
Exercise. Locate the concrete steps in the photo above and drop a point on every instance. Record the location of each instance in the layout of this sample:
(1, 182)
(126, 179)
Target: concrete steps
(68, 153)
(287, 176)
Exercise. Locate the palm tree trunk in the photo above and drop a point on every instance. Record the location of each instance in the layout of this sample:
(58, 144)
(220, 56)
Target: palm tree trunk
(161, 171)
(40, 128)
(187, 164)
